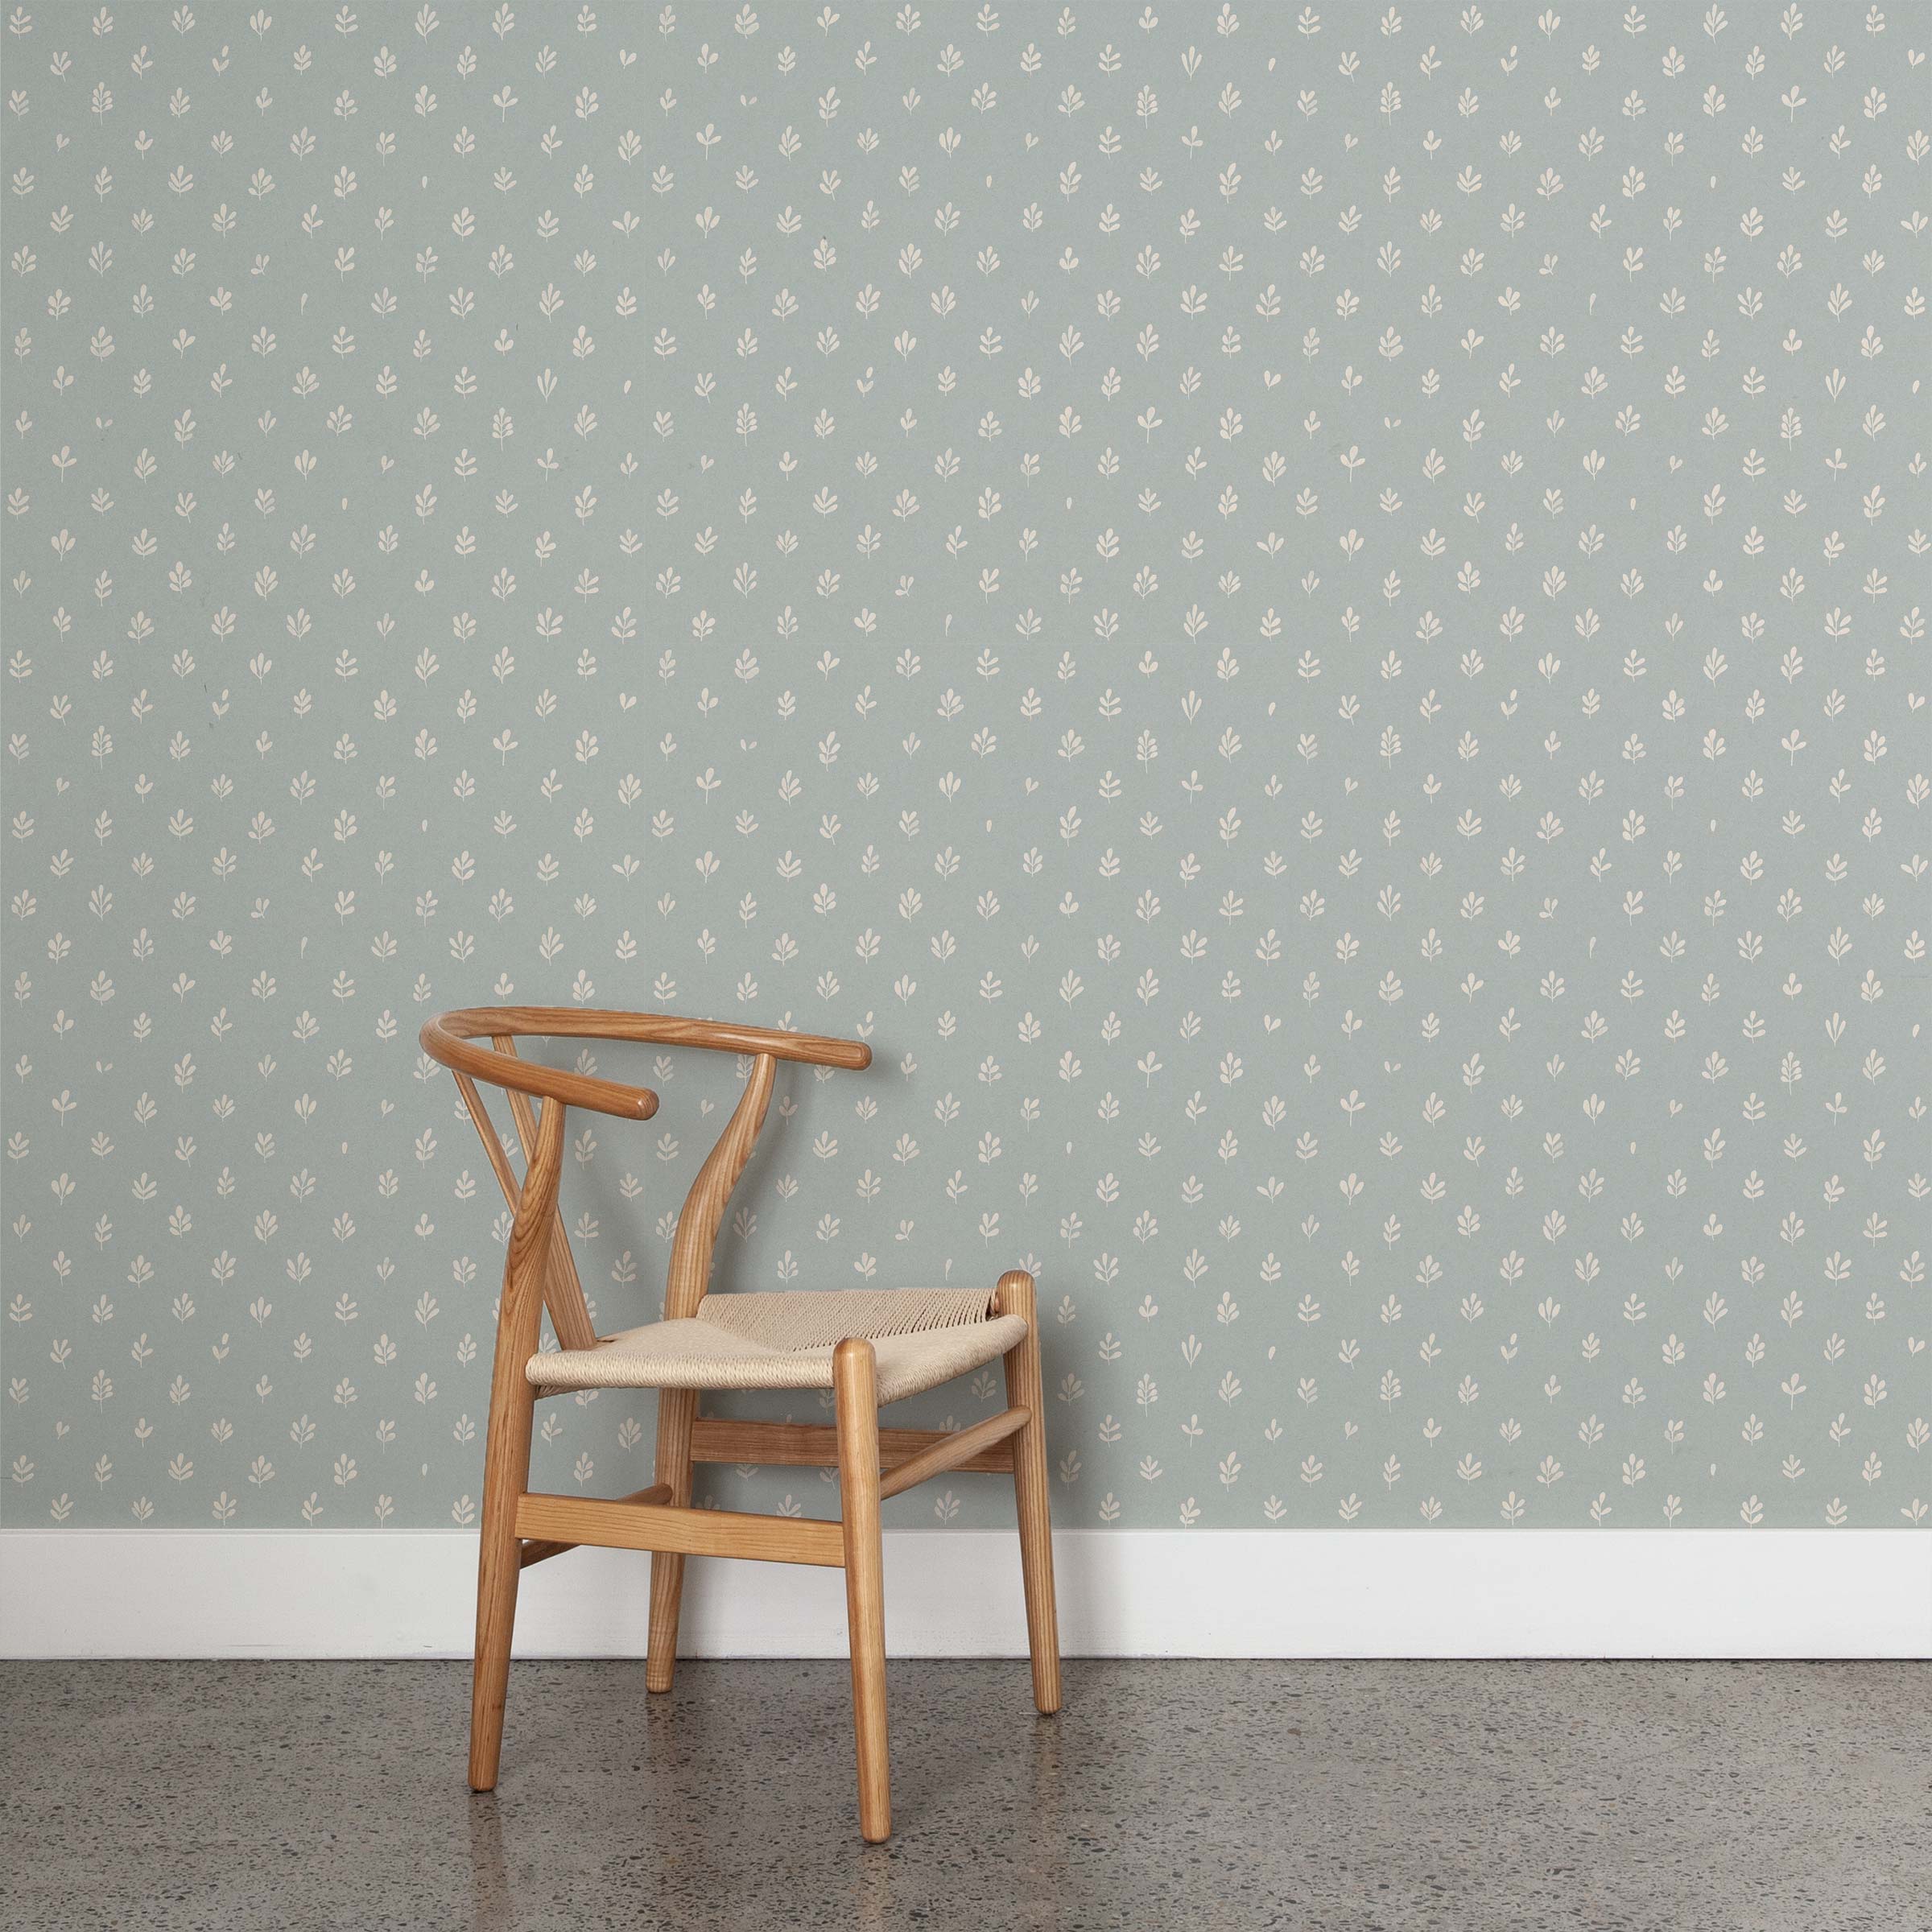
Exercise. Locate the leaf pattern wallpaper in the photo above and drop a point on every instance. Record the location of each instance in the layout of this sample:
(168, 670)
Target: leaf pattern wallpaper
(1310, 617)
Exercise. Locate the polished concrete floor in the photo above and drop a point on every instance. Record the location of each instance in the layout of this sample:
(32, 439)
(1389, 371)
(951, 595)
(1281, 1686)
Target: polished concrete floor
(1350, 1796)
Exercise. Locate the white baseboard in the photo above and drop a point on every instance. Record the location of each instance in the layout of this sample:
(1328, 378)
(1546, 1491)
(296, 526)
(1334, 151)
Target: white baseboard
(1122, 1593)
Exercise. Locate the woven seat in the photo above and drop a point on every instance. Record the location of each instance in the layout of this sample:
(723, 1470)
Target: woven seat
(921, 1336)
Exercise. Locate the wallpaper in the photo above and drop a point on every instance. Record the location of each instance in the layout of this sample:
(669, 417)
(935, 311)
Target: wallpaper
(1311, 618)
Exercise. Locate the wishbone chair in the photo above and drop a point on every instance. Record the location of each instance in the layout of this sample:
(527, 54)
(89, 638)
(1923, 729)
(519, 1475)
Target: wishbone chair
(869, 1346)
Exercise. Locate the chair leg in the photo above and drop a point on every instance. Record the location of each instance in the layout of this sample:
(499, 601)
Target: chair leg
(512, 1403)
(506, 1452)
(1024, 1389)
(853, 1374)
(677, 1410)
(499, 1562)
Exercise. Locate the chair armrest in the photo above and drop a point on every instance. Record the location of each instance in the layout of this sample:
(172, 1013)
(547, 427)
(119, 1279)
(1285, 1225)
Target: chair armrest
(444, 1042)
(723, 1036)
(652, 1029)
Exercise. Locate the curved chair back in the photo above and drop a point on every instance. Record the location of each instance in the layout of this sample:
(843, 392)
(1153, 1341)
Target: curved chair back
(453, 1039)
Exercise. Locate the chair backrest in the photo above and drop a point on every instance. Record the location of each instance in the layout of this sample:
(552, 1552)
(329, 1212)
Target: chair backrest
(451, 1039)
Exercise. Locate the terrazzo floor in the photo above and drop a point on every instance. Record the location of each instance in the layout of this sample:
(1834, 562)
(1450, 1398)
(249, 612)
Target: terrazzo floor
(1359, 1797)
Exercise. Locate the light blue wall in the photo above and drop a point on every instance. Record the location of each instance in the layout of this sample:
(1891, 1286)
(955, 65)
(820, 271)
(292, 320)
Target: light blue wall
(1314, 625)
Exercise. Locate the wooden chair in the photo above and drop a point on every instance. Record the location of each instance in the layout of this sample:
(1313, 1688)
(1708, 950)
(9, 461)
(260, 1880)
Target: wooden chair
(867, 1346)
